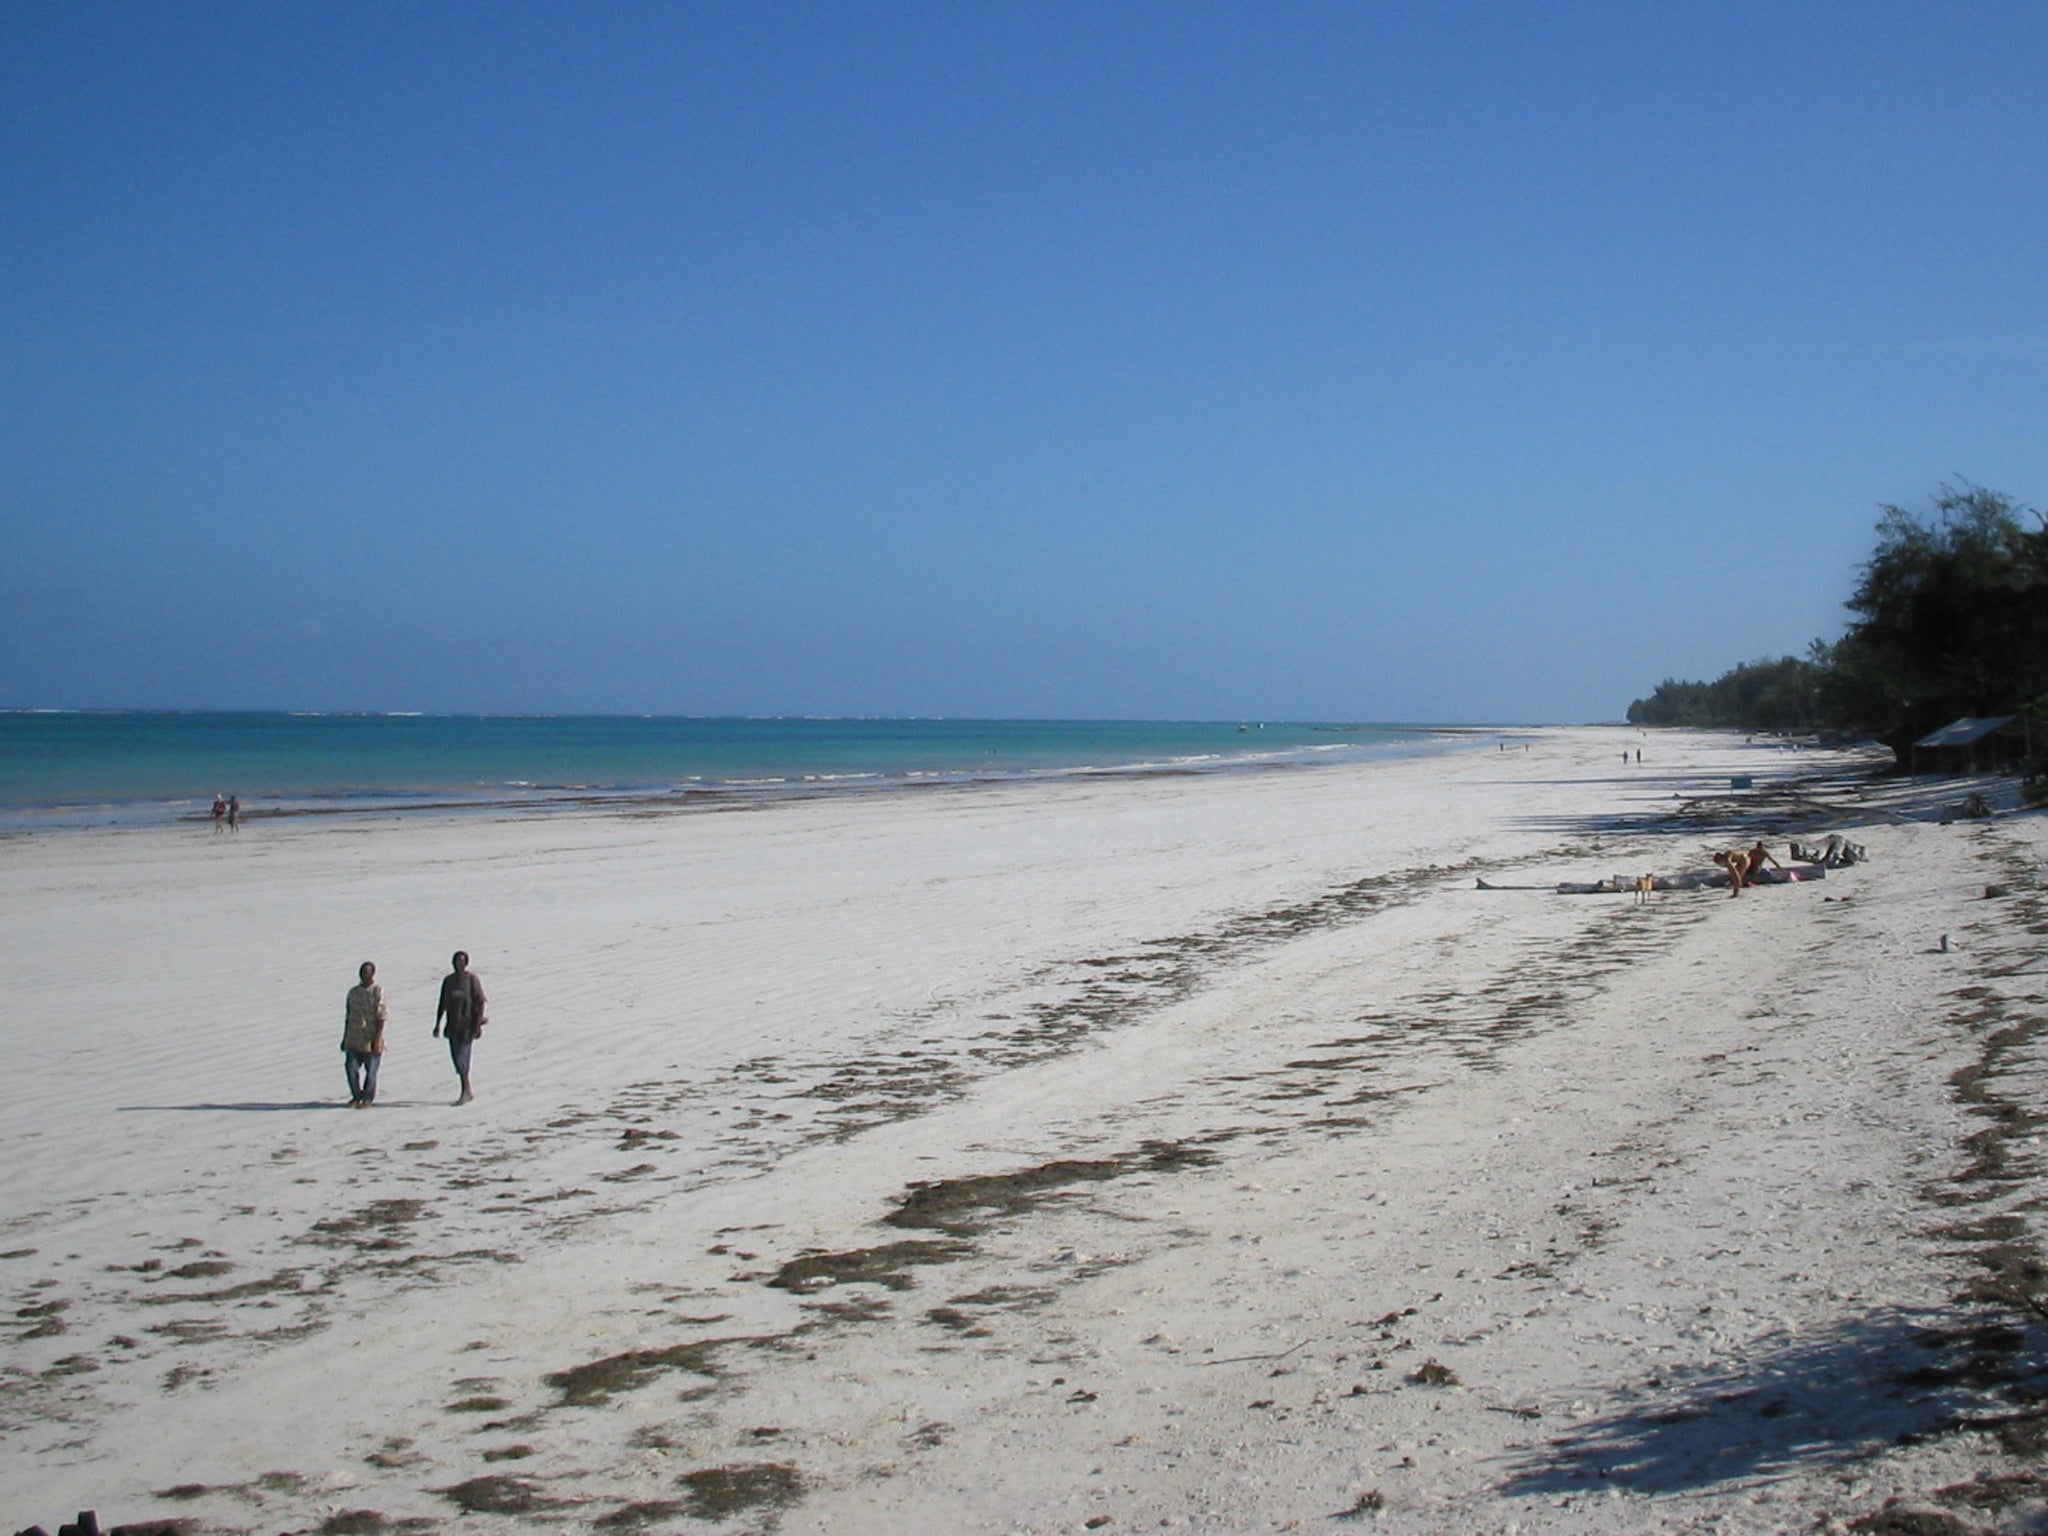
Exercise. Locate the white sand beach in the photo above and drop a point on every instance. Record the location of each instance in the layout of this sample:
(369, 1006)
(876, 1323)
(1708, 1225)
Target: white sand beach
(1187, 1153)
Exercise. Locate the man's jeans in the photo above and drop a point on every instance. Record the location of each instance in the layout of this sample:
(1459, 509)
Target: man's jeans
(362, 1075)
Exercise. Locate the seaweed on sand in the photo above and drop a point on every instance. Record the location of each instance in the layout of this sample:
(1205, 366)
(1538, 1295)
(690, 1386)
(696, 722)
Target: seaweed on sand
(496, 1494)
(887, 1265)
(718, 1493)
(964, 1207)
(379, 1224)
(587, 1386)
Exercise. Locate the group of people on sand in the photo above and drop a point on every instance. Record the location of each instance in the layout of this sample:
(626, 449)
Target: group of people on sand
(1745, 868)
(227, 813)
(459, 1016)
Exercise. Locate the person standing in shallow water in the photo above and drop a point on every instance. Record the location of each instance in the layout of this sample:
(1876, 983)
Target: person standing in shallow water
(461, 1010)
(362, 1037)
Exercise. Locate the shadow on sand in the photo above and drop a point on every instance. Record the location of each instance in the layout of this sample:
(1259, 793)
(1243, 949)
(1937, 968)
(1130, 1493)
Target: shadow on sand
(1843, 802)
(1830, 1398)
(254, 1107)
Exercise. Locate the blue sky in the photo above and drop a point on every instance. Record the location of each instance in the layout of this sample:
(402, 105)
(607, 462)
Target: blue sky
(1363, 361)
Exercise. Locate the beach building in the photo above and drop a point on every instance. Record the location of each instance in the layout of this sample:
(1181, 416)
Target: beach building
(1974, 744)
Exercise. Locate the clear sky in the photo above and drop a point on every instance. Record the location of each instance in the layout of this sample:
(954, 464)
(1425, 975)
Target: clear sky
(1383, 361)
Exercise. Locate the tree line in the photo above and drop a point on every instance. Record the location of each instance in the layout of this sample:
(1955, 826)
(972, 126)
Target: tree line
(1951, 620)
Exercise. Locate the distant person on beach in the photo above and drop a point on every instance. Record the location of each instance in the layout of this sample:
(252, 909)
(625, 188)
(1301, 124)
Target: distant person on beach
(234, 813)
(220, 810)
(1758, 857)
(462, 1009)
(1644, 885)
(362, 1037)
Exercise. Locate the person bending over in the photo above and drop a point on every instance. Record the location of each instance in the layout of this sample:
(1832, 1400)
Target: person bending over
(1737, 865)
(1758, 856)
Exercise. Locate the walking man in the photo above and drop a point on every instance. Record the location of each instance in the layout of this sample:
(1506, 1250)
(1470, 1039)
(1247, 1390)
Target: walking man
(362, 1037)
(461, 1009)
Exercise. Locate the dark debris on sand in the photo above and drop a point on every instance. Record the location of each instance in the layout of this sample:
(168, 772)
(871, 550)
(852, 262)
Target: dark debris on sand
(87, 1524)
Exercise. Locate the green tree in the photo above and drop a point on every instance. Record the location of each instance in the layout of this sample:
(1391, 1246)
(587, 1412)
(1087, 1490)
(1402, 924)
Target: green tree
(1952, 618)
(1781, 695)
(1673, 703)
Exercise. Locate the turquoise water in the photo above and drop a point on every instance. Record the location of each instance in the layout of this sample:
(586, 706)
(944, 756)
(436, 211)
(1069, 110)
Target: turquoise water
(152, 766)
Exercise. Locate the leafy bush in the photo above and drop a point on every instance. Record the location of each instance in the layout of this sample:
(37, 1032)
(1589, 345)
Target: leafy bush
(1952, 620)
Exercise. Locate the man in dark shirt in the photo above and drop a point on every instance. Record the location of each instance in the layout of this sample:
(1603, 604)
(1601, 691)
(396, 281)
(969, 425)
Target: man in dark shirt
(462, 1009)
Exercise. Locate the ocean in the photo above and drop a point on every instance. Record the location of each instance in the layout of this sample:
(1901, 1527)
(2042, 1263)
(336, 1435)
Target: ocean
(62, 768)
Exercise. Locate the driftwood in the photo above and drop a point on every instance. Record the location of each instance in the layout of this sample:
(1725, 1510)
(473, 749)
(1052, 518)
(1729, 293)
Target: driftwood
(1690, 880)
(1808, 864)
(1837, 853)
